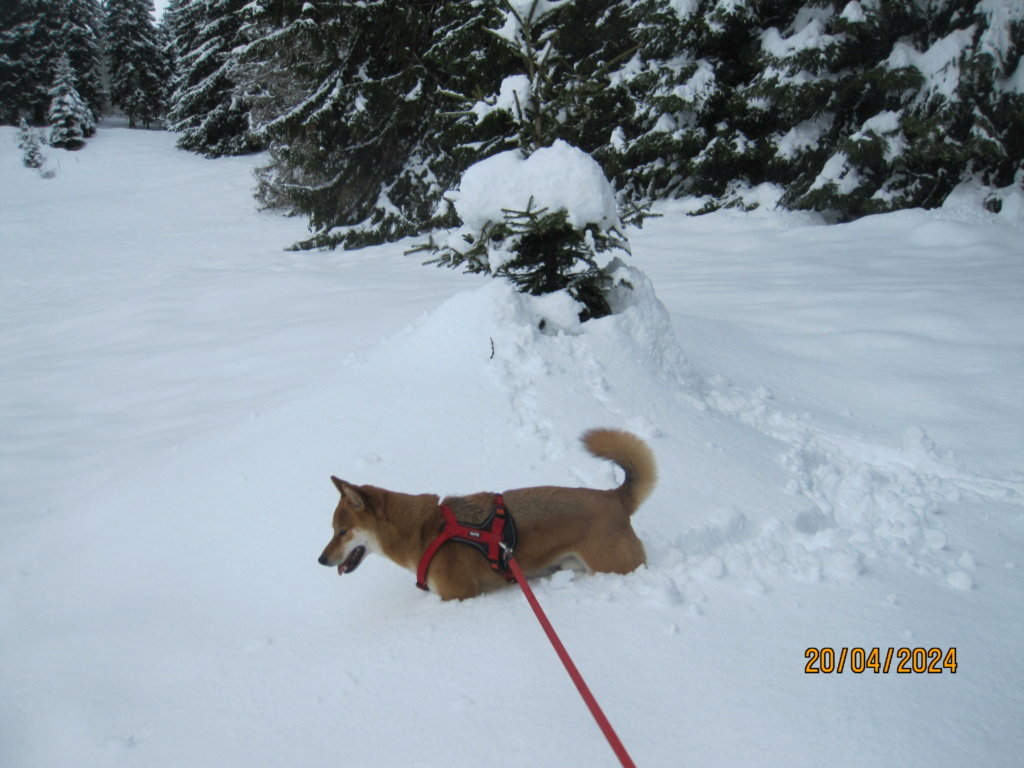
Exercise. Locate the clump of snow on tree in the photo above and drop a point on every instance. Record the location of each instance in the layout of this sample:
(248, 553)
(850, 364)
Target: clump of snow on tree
(513, 95)
(559, 177)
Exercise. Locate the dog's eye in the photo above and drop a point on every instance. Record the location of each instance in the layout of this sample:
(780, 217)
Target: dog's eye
(342, 532)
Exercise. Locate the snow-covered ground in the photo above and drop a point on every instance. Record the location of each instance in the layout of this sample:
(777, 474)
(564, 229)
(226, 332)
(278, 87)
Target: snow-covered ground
(836, 411)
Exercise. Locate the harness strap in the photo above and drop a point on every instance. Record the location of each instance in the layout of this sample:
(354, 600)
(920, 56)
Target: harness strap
(495, 538)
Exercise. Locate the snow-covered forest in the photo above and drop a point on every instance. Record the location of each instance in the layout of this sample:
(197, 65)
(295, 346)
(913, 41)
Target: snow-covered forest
(371, 112)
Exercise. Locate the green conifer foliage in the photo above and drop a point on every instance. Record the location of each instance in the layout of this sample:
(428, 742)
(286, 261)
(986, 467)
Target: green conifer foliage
(81, 37)
(539, 251)
(139, 67)
(341, 97)
(914, 100)
(373, 110)
(688, 133)
(29, 48)
(204, 107)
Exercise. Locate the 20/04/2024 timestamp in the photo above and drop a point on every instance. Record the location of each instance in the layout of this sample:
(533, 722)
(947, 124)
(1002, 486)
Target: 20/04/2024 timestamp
(903, 661)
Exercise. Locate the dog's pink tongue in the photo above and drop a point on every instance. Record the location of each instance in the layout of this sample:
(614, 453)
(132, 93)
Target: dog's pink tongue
(341, 569)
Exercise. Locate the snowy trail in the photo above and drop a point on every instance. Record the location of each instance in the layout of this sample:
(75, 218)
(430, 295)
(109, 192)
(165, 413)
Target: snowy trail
(177, 391)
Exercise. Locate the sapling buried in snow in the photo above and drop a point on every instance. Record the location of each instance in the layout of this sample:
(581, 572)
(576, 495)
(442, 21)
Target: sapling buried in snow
(547, 222)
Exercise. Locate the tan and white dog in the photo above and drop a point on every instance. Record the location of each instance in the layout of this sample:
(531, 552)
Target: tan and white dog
(555, 525)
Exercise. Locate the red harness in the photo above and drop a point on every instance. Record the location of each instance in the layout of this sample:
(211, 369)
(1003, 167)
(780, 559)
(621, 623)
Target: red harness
(495, 537)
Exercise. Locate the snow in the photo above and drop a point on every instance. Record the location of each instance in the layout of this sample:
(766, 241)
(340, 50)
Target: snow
(997, 38)
(514, 96)
(525, 12)
(684, 8)
(885, 125)
(853, 12)
(810, 36)
(939, 65)
(882, 123)
(559, 177)
(835, 410)
(701, 86)
(838, 171)
(803, 136)
(1015, 82)
(532, 10)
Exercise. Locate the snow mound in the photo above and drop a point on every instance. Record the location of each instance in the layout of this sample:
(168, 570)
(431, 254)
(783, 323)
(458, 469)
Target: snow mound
(533, 377)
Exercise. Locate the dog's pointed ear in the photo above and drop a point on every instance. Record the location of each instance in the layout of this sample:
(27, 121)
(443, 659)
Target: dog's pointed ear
(348, 491)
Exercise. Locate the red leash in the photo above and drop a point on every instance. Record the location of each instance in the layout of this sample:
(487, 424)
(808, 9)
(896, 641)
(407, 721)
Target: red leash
(577, 678)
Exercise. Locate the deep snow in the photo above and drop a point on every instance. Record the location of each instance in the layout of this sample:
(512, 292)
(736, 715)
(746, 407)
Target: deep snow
(836, 412)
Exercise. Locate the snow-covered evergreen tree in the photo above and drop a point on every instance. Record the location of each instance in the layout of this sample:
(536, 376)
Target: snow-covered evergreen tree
(33, 35)
(532, 94)
(479, 117)
(139, 69)
(965, 121)
(407, 114)
(81, 37)
(70, 119)
(849, 107)
(29, 45)
(689, 133)
(544, 75)
(341, 97)
(30, 143)
(212, 118)
(180, 26)
(371, 111)
(911, 99)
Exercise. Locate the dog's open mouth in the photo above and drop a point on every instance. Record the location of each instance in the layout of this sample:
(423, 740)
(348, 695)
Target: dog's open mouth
(352, 561)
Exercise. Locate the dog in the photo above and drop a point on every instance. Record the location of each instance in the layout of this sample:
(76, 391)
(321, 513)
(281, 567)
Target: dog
(556, 527)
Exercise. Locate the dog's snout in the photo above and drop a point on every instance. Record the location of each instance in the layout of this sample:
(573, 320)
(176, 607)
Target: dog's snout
(323, 560)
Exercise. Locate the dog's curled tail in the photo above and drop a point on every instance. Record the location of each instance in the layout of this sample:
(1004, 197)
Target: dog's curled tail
(633, 455)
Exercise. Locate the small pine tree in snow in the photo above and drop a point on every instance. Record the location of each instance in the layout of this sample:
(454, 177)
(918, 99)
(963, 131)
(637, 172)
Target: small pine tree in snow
(547, 222)
(544, 216)
(70, 119)
(30, 143)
